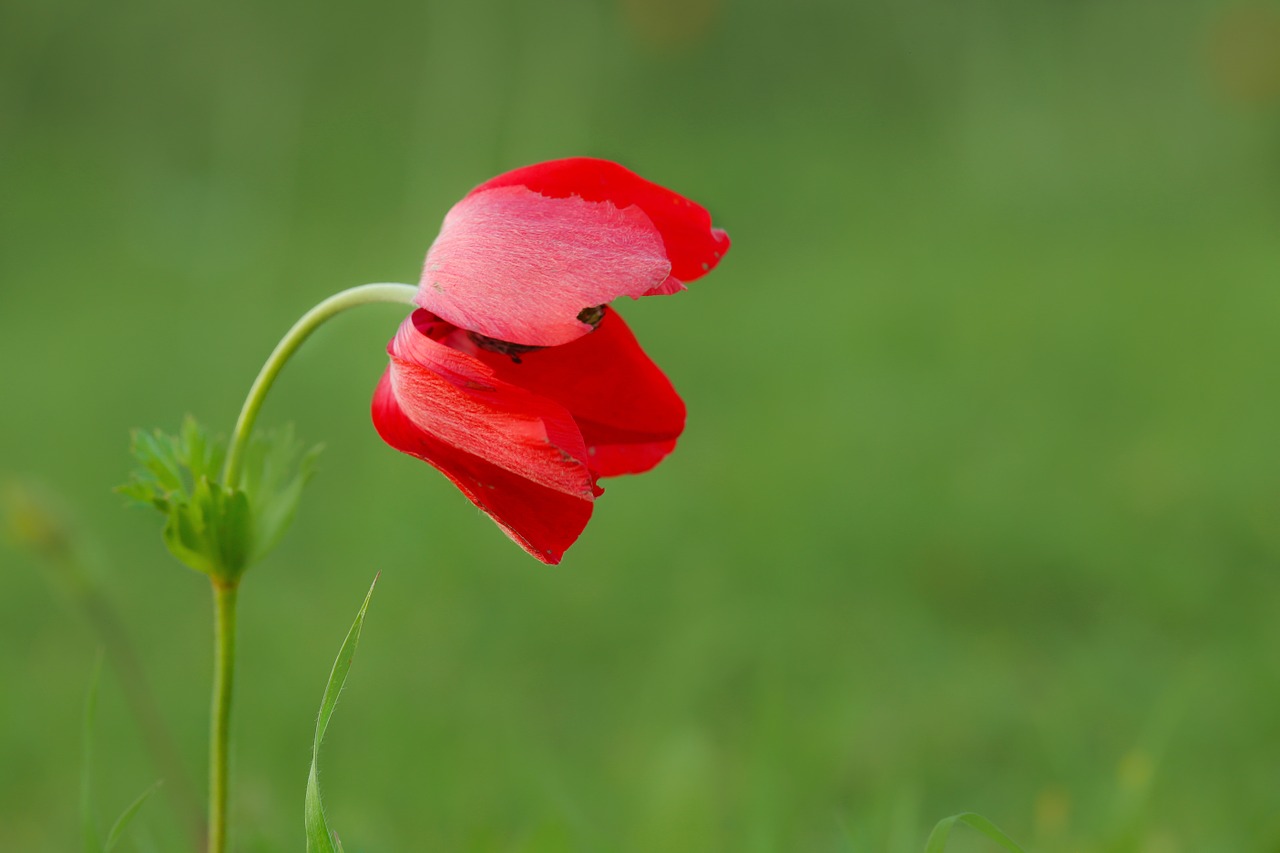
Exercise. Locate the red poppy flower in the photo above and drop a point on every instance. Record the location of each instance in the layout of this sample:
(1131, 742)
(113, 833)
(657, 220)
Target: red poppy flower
(513, 380)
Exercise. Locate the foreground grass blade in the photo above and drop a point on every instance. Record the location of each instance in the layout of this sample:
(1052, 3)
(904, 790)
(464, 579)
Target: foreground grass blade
(88, 824)
(118, 828)
(937, 842)
(321, 839)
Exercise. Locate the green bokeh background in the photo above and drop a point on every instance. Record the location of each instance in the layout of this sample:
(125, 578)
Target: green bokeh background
(979, 502)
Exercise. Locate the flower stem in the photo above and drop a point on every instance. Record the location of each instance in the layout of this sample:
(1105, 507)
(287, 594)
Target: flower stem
(224, 665)
(224, 589)
(336, 304)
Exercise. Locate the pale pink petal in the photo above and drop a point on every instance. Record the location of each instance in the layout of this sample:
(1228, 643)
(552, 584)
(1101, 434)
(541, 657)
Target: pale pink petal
(693, 245)
(517, 266)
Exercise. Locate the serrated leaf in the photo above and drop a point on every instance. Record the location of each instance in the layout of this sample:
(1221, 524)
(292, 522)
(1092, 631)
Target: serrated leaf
(937, 842)
(152, 482)
(193, 447)
(158, 456)
(320, 838)
(209, 527)
(139, 493)
(277, 468)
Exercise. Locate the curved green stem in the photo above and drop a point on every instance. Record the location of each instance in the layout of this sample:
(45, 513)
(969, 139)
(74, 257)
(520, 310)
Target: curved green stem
(224, 591)
(224, 667)
(336, 304)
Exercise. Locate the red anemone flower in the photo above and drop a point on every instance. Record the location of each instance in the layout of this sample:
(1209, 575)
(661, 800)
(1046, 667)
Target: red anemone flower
(514, 380)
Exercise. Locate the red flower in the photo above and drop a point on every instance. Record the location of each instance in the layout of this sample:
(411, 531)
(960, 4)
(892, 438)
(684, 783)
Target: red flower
(513, 381)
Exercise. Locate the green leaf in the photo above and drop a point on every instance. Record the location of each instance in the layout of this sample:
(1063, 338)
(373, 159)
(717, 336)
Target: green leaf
(320, 838)
(209, 527)
(158, 476)
(122, 822)
(937, 842)
(206, 526)
(277, 468)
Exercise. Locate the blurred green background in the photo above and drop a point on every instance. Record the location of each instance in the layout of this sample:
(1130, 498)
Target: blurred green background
(979, 502)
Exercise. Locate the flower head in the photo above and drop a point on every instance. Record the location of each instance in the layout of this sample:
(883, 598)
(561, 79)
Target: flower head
(513, 379)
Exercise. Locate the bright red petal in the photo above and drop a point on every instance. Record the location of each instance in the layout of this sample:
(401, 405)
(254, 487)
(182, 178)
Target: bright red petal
(519, 266)
(460, 400)
(692, 244)
(629, 414)
(517, 455)
(541, 520)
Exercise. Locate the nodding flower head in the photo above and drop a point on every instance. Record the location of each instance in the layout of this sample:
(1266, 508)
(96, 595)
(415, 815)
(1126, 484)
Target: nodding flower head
(515, 379)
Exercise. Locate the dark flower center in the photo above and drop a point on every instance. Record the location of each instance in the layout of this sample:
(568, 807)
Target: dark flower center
(591, 316)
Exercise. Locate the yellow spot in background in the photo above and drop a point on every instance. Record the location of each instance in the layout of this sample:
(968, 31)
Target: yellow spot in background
(1052, 809)
(1244, 53)
(670, 23)
(1134, 772)
(33, 520)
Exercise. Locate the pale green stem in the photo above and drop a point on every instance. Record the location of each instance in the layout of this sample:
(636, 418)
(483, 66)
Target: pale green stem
(224, 667)
(224, 593)
(336, 304)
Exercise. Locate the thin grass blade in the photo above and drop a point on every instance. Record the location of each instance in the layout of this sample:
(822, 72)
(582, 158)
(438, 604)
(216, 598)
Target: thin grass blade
(937, 842)
(320, 838)
(122, 822)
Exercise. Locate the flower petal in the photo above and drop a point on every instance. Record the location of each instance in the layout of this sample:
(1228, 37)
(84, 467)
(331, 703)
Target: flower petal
(542, 521)
(629, 414)
(693, 246)
(517, 455)
(518, 266)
